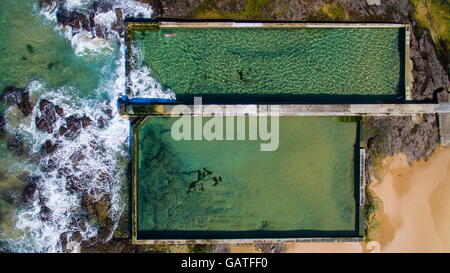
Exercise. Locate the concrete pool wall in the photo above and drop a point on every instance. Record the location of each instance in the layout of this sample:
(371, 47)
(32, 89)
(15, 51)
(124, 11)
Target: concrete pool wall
(348, 237)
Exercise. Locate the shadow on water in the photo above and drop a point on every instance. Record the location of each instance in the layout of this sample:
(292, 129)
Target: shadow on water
(401, 87)
(288, 98)
(251, 234)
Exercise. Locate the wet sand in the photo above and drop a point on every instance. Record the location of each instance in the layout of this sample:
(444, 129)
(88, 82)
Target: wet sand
(415, 211)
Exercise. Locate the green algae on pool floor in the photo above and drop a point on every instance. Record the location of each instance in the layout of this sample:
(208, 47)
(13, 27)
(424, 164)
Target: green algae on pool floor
(276, 64)
(230, 189)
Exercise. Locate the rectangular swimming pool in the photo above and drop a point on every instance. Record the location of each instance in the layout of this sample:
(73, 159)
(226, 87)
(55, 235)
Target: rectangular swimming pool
(198, 189)
(275, 65)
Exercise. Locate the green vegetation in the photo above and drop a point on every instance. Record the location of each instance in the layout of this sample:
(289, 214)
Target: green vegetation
(333, 11)
(435, 16)
(133, 27)
(200, 248)
(372, 224)
(252, 9)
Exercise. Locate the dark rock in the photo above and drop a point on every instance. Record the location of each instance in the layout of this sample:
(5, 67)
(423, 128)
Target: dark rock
(59, 111)
(62, 130)
(48, 3)
(97, 210)
(100, 32)
(74, 125)
(101, 6)
(416, 138)
(429, 75)
(119, 25)
(107, 110)
(89, 242)
(49, 114)
(64, 240)
(30, 192)
(18, 97)
(16, 144)
(103, 176)
(86, 122)
(73, 184)
(63, 172)
(157, 5)
(49, 148)
(25, 104)
(104, 233)
(101, 123)
(45, 213)
(74, 19)
(76, 236)
(85, 20)
(11, 95)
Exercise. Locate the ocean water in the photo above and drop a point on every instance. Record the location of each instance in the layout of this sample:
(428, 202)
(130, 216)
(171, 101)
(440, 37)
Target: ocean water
(271, 63)
(83, 75)
(230, 189)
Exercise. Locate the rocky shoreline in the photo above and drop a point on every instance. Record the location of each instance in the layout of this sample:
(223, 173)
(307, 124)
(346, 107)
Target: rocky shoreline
(417, 137)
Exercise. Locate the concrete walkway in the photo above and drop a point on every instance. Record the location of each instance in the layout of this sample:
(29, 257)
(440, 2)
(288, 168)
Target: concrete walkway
(295, 109)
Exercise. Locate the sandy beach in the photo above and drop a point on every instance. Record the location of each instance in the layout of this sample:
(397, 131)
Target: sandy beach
(415, 211)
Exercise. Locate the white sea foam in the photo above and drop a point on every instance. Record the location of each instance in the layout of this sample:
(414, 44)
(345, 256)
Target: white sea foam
(143, 85)
(43, 235)
(84, 43)
(63, 204)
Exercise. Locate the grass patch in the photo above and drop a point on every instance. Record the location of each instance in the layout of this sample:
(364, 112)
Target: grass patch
(200, 248)
(435, 16)
(373, 226)
(209, 14)
(252, 9)
(333, 11)
(133, 27)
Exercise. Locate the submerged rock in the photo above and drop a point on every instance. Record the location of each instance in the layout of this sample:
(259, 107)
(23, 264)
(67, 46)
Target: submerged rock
(50, 164)
(77, 157)
(19, 97)
(16, 145)
(2, 125)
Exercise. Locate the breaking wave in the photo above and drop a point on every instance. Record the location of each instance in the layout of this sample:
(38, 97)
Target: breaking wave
(77, 164)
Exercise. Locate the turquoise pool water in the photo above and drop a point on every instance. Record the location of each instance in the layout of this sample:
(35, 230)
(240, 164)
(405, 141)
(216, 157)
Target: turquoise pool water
(276, 64)
(230, 189)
